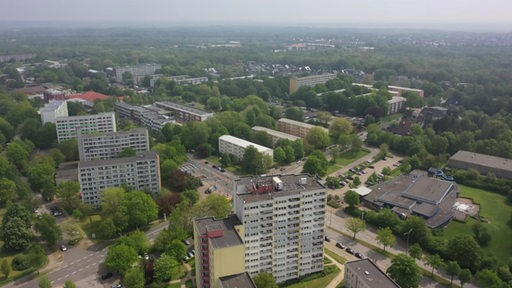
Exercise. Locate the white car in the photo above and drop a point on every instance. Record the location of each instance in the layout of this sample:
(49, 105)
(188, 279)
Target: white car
(63, 248)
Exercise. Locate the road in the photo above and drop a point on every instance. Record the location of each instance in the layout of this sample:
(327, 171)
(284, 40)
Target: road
(81, 264)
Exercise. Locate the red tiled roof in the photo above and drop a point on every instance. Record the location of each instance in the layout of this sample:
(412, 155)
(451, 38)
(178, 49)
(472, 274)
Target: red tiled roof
(90, 96)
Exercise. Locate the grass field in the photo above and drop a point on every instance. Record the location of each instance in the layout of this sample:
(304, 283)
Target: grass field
(335, 256)
(349, 157)
(494, 208)
(319, 282)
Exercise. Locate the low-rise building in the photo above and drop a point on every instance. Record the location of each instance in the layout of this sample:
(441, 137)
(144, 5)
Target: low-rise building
(140, 172)
(54, 109)
(236, 147)
(144, 116)
(296, 128)
(97, 123)
(395, 104)
(184, 113)
(311, 81)
(276, 135)
(485, 164)
(364, 273)
(110, 145)
(402, 90)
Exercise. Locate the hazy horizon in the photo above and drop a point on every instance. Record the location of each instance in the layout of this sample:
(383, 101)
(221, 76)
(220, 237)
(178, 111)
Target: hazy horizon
(434, 14)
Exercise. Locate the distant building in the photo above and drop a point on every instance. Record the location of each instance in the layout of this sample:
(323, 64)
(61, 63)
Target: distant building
(144, 116)
(364, 273)
(54, 109)
(311, 81)
(187, 80)
(236, 147)
(428, 115)
(89, 97)
(54, 94)
(138, 72)
(401, 90)
(485, 164)
(16, 57)
(296, 128)
(110, 145)
(67, 126)
(141, 172)
(237, 281)
(395, 104)
(220, 251)
(276, 135)
(419, 195)
(184, 113)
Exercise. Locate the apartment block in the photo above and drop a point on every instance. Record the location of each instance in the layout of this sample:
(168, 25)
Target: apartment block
(54, 109)
(283, 224)
(143, 115)
(136, 71)
(276, 135)
(220, 253)
(141, 172)
(366, 274)
(395, 104)
(109, 145)
(402, 90)
(184, 113)
(296, 128)
(88, 124)
(236, 146)
(311, 81)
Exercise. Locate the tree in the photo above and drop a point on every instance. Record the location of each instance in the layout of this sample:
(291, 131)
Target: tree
(68, 191)
(294, 113)
(252, 161)
(352, 198)
(16, 234)
(385, 237)
(137, 240)
(452, 269)
(176, 249)
(489, 279)
(7, 191)
(357, 181)
(5, 267)
(415, 251)
(214, 205)
(435, 261)
(165, 267)
(139, 208)
(265, 280)
(464, 276)
(317, 138)
(49, 230)
(464, 250)
(134, 278)
(355, 225)
(120, 258)
(405, 271)
(340, 126)
(481, 234)
(69, 284)
(45, 282)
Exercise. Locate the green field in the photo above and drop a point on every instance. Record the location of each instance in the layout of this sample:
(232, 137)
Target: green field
(335, 256)
(349, 157)
(494, 208)
(319, 282)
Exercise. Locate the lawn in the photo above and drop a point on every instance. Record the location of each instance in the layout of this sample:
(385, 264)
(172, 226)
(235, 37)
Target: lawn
(318, 282)
(494, 208)
(174, 285)
(349, 157)
(335, 256)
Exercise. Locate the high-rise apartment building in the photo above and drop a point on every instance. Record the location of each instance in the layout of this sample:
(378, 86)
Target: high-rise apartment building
(283, 224)
(102, 123)
(311, 81)
(236, 147)
(53, 110)
(141, 172)
(109, 145)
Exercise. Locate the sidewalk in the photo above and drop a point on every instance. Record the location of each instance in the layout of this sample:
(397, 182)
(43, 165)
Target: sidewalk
(337, 280)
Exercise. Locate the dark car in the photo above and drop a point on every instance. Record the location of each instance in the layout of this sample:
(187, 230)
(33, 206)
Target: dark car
(327, 239)
(106, 275)
(339, 245)
(358, 255)
(349, 250)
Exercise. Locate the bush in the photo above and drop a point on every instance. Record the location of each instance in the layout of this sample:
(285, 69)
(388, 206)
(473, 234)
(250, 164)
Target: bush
(353, 211)
(21, 262)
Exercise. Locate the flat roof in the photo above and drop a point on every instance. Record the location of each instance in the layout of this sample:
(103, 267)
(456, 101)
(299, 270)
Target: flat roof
(396, 99)
(149, 155)
(90, 116)
(404, 88)
(482, 160)
(371, 274)
(429, 189)
(297, 123)
(276, 133)
(326, 75)
(242, 280)
(141, 130)
(183, 108)
(292, 185)
(52, 105)
(230, 237)
(244, 143)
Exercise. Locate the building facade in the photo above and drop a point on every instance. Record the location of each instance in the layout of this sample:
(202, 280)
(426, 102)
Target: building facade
(283, 219)
(141, 172)
(184, 113)
(364, 273)
(395, 104)
(402, 90)
(219, 251)
(67, 127)
(144, 116)
(136, 71)
(311, 81)
(236, 147)
(53, 110)
(296, 128)
(276, 135)
(109, 145)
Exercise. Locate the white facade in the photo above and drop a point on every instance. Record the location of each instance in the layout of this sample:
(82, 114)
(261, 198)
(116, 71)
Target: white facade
(141, 172)
(51, 111)
(67, 126)
(396, 104)
(109, 145)
(296, 83)
(236, 146)
(296, 128)
(283, 224)
(276, 135)
(184, 113)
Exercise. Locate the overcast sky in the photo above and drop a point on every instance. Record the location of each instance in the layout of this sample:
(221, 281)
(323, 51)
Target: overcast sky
(283, 12)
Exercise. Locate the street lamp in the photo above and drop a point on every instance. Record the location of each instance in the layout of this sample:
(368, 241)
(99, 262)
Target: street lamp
(407, 245)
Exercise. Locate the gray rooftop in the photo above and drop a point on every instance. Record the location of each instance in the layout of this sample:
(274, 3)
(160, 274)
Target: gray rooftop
(242, 280)
(291, 186)
(182, 108)
(54, 104)
(142, 130)
(372, 275)
(276, 133)
(150, 155)
(483, 160)
(230, 237)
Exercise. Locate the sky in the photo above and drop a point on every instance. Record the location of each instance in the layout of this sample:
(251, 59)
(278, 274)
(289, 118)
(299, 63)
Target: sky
(438, 13)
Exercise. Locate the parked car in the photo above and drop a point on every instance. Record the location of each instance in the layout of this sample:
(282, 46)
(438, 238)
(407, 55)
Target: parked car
(358, 255)
(186, 242)
(339, 245)
(327, 239)
(117, 286)
(349, 250)
(63, 248)
(106, 275)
